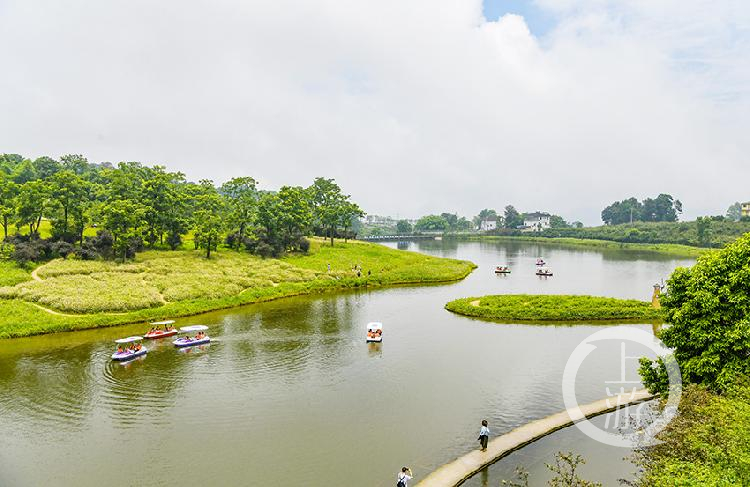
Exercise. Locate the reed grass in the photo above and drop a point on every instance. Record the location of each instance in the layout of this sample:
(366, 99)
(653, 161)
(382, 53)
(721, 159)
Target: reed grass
(164, 284)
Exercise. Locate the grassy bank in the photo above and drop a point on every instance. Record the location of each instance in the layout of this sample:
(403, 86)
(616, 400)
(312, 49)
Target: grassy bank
(73, 294)
(673, 249)
(523, 307)
(708, 442)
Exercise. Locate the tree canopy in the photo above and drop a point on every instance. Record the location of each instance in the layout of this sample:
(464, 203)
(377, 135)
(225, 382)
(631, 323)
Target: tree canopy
(133, 205)
(663, 208)
(707, 307)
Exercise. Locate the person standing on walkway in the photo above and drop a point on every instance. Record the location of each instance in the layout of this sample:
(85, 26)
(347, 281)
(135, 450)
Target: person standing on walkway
(404, 476)
(484, 435)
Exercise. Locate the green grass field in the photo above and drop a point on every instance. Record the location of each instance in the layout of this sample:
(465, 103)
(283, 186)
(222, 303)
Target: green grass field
(556, 308)
(159, 284)
(666, 248)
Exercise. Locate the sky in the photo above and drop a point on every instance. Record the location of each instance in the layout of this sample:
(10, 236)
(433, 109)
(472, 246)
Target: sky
(413, 106)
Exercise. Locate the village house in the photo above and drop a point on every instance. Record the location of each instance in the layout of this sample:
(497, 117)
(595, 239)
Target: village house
(488, 224)
(745, 209)
(536, 222)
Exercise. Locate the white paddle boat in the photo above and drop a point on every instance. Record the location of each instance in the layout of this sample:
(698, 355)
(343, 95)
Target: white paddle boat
(187, 341)
(375, 332)
(133, 350)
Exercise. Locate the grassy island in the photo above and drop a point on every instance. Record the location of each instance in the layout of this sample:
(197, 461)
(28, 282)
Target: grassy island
(70, 294)
(523, 307)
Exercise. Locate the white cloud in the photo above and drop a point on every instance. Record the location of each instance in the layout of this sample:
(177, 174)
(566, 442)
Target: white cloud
(413, 107)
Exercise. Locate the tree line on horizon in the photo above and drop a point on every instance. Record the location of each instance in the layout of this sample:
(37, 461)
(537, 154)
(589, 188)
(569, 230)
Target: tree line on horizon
(135, 206)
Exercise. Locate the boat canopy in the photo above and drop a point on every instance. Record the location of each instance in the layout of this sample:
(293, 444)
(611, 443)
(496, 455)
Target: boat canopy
(157, 323)
(129, 339)
(193, 328)
(375, 326)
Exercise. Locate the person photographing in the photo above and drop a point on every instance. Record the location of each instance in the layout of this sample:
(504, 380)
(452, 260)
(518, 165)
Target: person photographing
(404, 476)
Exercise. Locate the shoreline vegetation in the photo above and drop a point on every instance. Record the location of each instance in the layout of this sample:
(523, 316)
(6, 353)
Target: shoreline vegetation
(69, 294)
(666, 248)
(513, 308)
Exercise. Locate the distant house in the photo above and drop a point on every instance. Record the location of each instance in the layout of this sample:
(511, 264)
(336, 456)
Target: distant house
(487, 225)
(745, 209)
(536, 222)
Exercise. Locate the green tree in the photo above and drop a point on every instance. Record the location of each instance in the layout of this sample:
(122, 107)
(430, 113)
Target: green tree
(349, 213)
(556, 221)
(625, 211)
(663, 208)
(708, 309)
(71, 193)
(159, 194)
(45, 167)
(31, 204)
(242, 199)
(296, 215)
(125, 220)
(431, 223)
(403, 227)
(24, 172)
(8, 193)
(75, 163)
(327, 200)
(703, 228)
(208, 217)
(512, 218)
(734, 212)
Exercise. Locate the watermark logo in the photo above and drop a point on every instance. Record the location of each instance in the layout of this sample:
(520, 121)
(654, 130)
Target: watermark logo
(630, 423)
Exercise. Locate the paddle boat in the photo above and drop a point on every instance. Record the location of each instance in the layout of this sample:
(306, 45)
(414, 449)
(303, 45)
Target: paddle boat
(502, 269)
(155, 332)
(544, 272)
(200, 338)
(375, 332)
(134, 349)
(540, 261)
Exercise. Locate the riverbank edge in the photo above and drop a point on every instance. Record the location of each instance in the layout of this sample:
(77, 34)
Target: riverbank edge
(463, 468)
(471, 307)
(664, 248)
(196, 307)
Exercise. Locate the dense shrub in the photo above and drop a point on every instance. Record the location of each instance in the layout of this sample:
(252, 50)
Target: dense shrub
(708, 309)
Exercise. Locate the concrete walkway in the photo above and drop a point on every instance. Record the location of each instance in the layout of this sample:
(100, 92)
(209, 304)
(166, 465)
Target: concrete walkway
(456, 472)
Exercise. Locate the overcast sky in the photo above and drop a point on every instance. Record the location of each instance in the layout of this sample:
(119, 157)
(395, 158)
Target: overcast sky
(413, 106)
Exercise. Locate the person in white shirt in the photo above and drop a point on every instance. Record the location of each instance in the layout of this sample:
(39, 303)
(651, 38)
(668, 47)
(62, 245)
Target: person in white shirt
(484, 435)
(404, 476)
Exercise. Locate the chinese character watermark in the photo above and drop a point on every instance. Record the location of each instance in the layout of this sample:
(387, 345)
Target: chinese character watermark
(629, 423)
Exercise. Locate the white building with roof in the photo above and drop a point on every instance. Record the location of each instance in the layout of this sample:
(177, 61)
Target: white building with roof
(536, 222)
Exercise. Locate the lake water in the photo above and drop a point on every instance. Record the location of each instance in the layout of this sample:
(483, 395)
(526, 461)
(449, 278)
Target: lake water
(289, 393)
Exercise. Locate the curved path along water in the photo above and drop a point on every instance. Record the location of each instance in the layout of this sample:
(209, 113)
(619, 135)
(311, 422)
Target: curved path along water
(456, 472)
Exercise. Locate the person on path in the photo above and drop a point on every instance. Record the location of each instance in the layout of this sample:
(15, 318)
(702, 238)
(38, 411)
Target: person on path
(484, 435)
(404, 476)
(329, 268)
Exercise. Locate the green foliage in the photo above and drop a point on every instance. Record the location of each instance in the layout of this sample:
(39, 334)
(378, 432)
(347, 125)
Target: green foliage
(715, 233)
(511, 217)
(523, 307)
(161, 284)
(431, 223)
(734, 212)
(403, 227)
(708, 308)
(663, 208)
(707, 443)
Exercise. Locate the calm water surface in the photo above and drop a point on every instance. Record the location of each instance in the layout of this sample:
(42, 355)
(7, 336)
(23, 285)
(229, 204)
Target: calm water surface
(289, 393)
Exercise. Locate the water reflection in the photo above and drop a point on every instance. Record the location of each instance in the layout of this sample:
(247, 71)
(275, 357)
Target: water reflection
(295, 379)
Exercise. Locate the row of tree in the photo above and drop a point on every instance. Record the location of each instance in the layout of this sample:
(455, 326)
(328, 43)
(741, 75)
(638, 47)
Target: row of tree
(663, 208)
(140, 205)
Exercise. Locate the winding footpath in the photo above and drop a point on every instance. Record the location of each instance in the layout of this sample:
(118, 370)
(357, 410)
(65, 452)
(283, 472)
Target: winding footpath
(459, 470)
